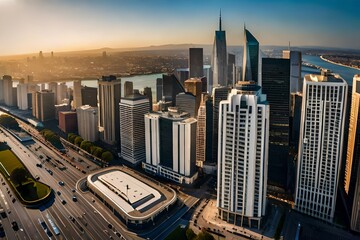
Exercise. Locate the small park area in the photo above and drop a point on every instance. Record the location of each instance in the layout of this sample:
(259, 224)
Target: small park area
(27, 188)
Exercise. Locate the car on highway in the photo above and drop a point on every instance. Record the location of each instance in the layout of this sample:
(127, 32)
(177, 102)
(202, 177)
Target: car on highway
(39, 165)
(15, 226)
(63, 201)
(58, 193)
(61, 183)
(74, 198)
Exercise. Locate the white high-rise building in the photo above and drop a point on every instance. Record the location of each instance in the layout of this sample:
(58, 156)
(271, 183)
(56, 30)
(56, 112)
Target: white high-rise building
(22, 98)
(320, 144)
(171, 146)
(132, 127)
(242, 156)
(87, 119)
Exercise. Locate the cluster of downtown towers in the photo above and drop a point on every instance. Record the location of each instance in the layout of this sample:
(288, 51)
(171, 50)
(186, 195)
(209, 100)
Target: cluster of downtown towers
(248, 125)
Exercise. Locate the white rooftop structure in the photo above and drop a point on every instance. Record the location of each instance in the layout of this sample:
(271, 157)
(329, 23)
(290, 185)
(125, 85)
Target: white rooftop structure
(126, 192)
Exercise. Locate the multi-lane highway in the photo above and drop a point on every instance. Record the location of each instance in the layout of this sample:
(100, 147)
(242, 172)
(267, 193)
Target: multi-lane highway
(79, 219)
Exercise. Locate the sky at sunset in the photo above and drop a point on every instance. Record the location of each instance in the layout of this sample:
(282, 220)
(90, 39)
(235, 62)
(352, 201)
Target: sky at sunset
(62, 25)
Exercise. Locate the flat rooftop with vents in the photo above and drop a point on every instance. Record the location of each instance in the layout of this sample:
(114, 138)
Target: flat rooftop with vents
(135, 199)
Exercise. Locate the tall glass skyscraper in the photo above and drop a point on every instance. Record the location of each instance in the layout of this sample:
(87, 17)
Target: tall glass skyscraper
(219, 59)
(276, 84)
(251, 58)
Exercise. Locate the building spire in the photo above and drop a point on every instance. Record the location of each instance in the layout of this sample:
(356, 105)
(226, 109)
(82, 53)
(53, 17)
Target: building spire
(220, 21)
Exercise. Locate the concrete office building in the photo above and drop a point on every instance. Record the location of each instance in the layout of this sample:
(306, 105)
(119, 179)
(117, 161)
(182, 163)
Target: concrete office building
(7, 91)
(22, 97)
(182, 74)
(76, 94)
(61, 92)
(109, 117)
(64, 107)
(352, 171)
(43, 105)
(276, 85)
(219, 59)
(295, 70)
(53, 87)
(196, 62)
(87, 118)
(68, 122)
(243, 153)
(320, 144)
(251, 58)
(171, 146)
(132, 128)
(201, 133)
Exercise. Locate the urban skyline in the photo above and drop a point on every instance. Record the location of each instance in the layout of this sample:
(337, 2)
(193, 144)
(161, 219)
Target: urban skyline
(79, 25)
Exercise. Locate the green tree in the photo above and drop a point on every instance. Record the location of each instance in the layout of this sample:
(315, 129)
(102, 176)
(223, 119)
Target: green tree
(9, 122)
(96, 151)
(86, 145)
(72, 138)
(78, 141)
(107, 156)
(19, 175)
(204, 236)
(190, 235)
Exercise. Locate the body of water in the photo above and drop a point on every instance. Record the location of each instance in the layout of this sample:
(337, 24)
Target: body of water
(345, 72)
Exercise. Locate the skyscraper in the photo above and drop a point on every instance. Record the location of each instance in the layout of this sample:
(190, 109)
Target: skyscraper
(132, 127)
(22, 98)
(251, 58)
(61, 93)
(242, 161)
(295, 69)
(77, 94)
(231, 70)
(7, 90)
(201, 133)
(275, 84)
(196, 62)
(1, 91)
(44, 105)
(87, 118)
(219, 59)
(148, 94)
(352, 170)
(320, 144)
(218, 94)
(109, 99)
(171, 87)
(159, 89)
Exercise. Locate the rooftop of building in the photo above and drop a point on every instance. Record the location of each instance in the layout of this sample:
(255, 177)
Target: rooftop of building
(135, 195)
(250, 39)
(325, 76)
(87, 107)
(193, 80)
(134, 96)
